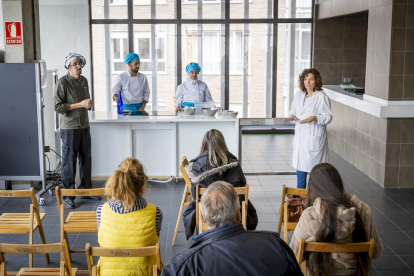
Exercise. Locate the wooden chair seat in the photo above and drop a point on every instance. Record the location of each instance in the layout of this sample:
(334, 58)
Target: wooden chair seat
(81, 221)
(43, 271)
(18, 223)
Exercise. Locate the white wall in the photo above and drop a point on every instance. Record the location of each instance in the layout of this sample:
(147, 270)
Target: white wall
(64, 29)
(1, 28)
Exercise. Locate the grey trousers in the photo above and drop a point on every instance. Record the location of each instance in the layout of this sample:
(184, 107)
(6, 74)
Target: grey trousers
(76, 144)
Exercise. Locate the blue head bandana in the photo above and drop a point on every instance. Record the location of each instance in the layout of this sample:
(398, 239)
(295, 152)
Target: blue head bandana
(193, 66)
(130, 57)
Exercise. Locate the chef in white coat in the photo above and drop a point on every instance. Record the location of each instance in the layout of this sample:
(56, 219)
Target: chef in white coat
(192, 90)
(311, 113)
(132, 84)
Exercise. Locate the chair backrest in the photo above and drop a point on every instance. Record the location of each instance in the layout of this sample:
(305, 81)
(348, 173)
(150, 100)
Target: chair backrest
(94, 251)
(239, 190)
(21, 193)
(291, 191)
(7, 248)
(183, 165)
(78, 192)
(360, 247)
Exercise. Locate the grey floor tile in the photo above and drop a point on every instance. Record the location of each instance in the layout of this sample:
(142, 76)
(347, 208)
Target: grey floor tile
(389, 262)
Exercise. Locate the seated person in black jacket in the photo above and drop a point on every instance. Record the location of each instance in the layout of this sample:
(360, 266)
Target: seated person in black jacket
(215, 163)
(226, 248)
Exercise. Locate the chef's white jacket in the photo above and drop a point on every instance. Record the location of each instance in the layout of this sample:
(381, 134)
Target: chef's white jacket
(195, 91)
(134, 89)
(310, 145)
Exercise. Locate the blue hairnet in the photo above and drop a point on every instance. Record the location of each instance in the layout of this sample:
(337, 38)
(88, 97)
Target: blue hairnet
(192, 66)
(130, 57)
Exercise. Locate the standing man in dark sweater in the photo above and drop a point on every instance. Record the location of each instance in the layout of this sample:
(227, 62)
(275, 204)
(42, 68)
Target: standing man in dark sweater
(72, 101)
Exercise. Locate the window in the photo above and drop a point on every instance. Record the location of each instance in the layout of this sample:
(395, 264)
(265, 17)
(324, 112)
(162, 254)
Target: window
(119, 48)
(142, 46)
(211, 51)
(136, 2)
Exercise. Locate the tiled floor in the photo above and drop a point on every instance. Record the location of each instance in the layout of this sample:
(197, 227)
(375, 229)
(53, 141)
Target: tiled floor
(393, 209)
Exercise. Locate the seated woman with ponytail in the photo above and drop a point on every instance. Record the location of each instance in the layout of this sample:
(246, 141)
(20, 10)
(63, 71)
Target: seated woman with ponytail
(127, 220)
(334, 216)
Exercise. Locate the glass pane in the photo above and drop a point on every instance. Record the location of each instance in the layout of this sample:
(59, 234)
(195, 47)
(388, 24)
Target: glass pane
(295, 9)
(257, 9)
(163, 83)
(212, 9)
(164, 9)
(293, 56)
(203, 44)
(104, 77)
(251, 48)
(117, 9)
(189, 9)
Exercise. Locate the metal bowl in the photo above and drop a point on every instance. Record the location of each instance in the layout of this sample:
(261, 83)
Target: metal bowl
(232, 113)
(209, 111)
(188, 110)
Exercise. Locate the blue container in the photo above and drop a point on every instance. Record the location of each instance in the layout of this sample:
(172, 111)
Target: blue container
(120, 104)
(189, 104)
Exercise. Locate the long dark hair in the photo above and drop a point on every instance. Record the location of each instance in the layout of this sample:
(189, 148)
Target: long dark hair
(326, 183)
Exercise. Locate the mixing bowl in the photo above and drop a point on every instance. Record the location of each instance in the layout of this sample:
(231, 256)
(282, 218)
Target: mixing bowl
(209, 111)
(232, 113)
(188, 110)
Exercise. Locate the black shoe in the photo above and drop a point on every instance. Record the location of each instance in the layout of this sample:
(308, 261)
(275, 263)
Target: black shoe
(91, 197)
(69, 204)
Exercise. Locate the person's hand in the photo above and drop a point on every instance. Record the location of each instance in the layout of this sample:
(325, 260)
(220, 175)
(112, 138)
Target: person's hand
(177, 108)
(115, 98)
(86, 103)
(308, 120)
(141, 108)
(290, 118)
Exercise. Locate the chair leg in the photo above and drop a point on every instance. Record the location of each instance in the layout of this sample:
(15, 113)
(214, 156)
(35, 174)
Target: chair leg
(279, 226)
(31, 242)
(43, 239)
(179, 214)
(67, 244)
(285, 230)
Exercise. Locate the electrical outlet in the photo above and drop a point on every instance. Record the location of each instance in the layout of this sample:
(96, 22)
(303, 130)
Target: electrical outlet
(46, 148)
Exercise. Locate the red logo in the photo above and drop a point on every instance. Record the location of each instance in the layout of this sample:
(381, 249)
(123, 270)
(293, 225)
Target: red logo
(13, 32)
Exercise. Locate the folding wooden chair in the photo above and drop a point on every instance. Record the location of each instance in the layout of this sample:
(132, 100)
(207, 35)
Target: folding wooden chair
(187, 197)
(306, 246)
(283, 211)
(201, 227)
(148, 251)
(64, 269)
(77, 221)
(23, 223)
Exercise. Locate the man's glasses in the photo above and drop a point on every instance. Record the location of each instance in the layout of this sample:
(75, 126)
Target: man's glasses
(80, 64)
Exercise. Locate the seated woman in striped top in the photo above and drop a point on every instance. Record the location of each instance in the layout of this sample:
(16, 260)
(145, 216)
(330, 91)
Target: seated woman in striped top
(127, 220)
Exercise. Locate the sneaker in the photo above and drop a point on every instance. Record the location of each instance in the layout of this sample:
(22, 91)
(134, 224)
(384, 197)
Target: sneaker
(91, 197)
(69, 204)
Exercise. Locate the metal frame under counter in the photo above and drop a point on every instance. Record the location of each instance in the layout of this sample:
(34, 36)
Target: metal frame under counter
(159, 142)
(372, 105)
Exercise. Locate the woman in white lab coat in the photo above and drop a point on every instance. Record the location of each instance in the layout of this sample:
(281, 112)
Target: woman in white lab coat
(311, 112)
(192, 90)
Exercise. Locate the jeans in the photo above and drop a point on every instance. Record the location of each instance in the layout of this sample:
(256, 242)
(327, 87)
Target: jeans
(76, 144)
(301, 179)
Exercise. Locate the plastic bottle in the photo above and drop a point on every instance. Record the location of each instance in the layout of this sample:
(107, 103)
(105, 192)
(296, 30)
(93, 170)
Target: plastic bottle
(120, 104)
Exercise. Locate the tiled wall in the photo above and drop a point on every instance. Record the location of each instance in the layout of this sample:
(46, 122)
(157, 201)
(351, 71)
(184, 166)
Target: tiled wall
(402, 51)
(381, 148)
(400, 153)
(340, 48)
(360, 138)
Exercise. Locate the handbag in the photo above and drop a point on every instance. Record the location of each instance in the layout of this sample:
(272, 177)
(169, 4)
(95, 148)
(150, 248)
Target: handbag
(295, 207)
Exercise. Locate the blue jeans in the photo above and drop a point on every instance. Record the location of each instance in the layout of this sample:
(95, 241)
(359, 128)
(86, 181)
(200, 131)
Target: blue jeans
(301, 179)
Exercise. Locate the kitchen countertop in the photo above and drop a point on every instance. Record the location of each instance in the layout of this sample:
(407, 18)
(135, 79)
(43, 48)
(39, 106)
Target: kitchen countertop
(371, 105)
